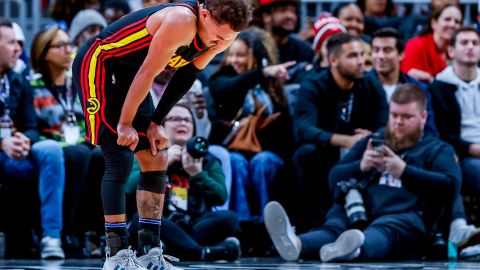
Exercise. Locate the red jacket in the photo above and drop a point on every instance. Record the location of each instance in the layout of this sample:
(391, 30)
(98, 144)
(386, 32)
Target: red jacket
(421, 53)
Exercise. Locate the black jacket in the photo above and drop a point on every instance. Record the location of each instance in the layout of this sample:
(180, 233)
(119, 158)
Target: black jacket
(20, 104)
(448, 118)
(317, 112)
(431, 174)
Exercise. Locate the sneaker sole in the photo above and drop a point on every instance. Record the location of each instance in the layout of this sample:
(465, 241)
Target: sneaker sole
(277, 223)
(345, 245)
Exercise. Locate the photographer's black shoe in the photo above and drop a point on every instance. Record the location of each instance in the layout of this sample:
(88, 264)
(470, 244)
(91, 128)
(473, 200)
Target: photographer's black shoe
(228, 249)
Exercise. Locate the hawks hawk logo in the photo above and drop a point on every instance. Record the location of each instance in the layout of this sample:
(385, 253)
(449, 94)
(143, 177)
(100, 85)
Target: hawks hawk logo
(93, 105)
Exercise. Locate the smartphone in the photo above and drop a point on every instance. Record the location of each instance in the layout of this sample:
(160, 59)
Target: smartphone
(378, 144)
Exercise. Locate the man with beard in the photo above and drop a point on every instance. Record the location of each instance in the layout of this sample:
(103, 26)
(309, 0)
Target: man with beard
(395, 181)
(456, 103)
(336, 108)
(387, 53)
(280, 19)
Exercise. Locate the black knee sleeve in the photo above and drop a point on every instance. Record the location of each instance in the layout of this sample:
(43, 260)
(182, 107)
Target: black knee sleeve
(118, 166)
(152, 181)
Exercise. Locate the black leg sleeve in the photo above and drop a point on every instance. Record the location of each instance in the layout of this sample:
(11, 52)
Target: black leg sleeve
(178, 86)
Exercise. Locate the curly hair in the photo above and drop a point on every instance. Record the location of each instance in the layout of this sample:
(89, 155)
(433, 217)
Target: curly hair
(264, 52)
(237, 13)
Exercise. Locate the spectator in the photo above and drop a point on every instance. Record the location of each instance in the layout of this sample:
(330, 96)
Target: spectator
(280, 19)
(335, 108)
(58, 108)
(426, 55)
(151, 3)
(455, 98)
(325, 27)
(113, 10)
(378, 14)
(352, 18)
(387, 55)
(86, 24)
(248, 78)
(397, 178)
(191, 230)
(414, 24)
(21, 156)
(21, 66)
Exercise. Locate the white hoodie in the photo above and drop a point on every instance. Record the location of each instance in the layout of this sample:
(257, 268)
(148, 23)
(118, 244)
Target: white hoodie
(468, 98)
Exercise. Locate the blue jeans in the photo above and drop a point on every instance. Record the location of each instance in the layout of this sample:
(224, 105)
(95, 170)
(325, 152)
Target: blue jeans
(223, 155)
(46, 161)
(255, 175)
(471, 174)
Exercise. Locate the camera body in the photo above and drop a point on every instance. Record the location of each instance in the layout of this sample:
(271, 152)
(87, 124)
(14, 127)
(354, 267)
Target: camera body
(354, 206)
(197, 147)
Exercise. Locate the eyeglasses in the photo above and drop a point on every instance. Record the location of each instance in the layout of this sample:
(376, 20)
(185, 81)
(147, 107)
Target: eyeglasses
(179, 119)
(61, 45)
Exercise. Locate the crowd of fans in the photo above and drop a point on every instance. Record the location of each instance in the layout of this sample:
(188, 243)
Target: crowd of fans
(361, 99)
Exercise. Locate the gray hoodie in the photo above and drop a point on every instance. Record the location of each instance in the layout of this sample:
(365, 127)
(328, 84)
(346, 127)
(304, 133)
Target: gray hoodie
(468, 98)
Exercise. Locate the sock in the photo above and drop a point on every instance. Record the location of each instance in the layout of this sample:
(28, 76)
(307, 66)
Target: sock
(117, 237)
(148, 234)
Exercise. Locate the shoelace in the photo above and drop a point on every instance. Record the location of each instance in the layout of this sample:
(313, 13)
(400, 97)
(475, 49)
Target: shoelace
(161, 257)
(131, 259)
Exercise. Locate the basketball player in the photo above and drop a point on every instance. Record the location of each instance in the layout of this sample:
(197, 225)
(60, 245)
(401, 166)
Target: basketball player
(113, 74)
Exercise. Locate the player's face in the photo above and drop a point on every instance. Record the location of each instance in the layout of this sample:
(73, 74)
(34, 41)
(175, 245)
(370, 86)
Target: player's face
(179, 125)
(212, 33)
(237, 56)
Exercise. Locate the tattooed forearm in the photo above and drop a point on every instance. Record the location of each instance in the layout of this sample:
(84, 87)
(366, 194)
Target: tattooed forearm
(149, 204)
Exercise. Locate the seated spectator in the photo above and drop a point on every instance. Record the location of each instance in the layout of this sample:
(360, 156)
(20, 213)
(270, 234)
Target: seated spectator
(22, 64)
(60, 116)
(113, 10)
(190, 230)
(395, 180)
(351, 16)
(426, 55)
(86, 24)
(280, 19)
(248, 78)
(415, 23)
(456, 99)
(387, 54)
(22, 156)
(335, 108)
(324, 27)
(378, 14)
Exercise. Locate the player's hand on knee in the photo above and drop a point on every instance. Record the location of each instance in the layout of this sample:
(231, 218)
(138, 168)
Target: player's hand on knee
(127, 136)
(157, 136)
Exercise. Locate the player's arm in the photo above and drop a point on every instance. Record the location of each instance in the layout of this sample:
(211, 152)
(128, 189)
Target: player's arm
(202, 61)
(177, 29)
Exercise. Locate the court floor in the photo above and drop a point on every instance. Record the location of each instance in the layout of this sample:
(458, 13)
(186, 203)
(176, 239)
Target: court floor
(246, 263)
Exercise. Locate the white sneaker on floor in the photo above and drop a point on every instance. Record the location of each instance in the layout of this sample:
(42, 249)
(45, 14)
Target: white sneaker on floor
(281, 231)
(51, 249)
(155, 260)
(345, 248)
(125, 259)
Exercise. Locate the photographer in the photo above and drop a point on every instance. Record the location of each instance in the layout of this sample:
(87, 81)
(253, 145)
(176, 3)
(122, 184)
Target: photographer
(195, 183)
(405, 175)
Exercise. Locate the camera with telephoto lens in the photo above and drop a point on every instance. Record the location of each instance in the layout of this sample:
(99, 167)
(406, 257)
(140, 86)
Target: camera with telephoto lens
(197, 147)
(354, 206)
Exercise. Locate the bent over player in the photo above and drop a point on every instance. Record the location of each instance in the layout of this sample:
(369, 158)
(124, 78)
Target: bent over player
(113, 73)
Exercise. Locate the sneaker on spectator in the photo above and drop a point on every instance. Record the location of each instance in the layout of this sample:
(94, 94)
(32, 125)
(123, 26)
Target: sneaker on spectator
(470, 252)
(345, 248)
(281, 231)
(156, 260)
(463, 235)
(125, 259)
(51, 249)
(228, 249)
